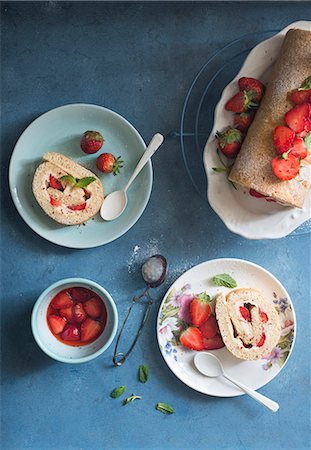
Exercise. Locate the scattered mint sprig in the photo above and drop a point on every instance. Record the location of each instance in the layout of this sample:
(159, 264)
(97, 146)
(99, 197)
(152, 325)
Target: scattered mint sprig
(224, 279)
(117, 392)
(164, 408)
(130, 399)
(143, 371)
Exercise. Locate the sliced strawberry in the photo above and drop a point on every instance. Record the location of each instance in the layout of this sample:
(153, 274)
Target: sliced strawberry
(253, 87)
(298, 96)
(192, 338)
(245, 313)
(242, 101)
(78, 207)
(90, 330)
(80, 294)
(62, 300)
(299, 148)
(54, 201)
(55, 183)
(263, 316)
(261, 340)
(285, 168)
(297, 117)
(71, 333)
(200, 309)
(213, 343)
(93, 307)
(230, 142)
(243, 120)
(67, 313)
(283, 138)
(57, 323)
(256, 194)
(79, 314)
(209, 329)
(87, 194)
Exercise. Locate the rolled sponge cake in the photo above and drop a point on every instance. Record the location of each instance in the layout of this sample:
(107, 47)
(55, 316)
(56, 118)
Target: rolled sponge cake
(242, 336)
(58, 165)
(252, 167)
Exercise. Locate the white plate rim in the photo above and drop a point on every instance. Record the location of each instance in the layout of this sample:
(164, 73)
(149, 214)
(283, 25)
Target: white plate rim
(235, 260)
(251, 232)
(19, 207)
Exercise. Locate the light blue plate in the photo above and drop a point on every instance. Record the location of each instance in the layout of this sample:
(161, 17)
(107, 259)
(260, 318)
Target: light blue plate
(60, 130)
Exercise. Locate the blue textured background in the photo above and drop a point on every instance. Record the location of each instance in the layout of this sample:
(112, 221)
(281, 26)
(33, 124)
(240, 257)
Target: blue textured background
(137, 59)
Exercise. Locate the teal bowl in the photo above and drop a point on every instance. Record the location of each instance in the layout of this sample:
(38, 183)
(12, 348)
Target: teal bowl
(66, 353)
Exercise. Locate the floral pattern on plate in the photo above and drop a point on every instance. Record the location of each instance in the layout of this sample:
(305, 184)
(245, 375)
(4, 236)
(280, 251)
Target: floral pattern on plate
(175, 313)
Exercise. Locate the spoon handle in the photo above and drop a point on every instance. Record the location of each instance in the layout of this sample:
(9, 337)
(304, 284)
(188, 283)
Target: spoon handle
(270, 404)
(155, 143)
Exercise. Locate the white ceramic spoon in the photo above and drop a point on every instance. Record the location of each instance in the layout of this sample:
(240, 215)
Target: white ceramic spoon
(210, 366)
(115, 203)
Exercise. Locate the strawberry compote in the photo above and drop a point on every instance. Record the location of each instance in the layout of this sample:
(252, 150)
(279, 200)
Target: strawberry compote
(76, 316)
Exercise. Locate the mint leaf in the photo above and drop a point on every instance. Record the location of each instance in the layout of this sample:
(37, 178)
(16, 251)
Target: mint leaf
(70, 179)
(143, 371)
(164, 408)
(224, 280)
(131, 398)
(219, 169)
(117, 392)
(307, 141)
(305, 85)
(84, 182)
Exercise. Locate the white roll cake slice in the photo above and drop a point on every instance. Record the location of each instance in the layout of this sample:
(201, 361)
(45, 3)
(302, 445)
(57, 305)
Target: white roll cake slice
(248, 323)
(59, 198)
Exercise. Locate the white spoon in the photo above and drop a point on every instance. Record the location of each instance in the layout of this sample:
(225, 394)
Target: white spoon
(210, 366)
(115, 203)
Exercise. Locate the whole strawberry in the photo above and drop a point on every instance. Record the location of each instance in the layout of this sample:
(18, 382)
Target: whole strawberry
(108, 163)
(230, 142)
(91, 142)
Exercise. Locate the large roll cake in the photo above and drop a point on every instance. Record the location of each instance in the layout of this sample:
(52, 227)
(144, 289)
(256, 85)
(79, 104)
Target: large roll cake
(252, 167)
(248, 323)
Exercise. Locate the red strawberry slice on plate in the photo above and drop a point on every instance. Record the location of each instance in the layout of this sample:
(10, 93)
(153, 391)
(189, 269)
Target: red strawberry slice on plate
(253, 87)
(93, 307)
(79, 315)
(283, 138)
(192, 338)
(67, 313)
(299, 148)
(209, 329)
(71, 333)
(245, 313)
(90, 330)
(285, 168)
(80, 294)
(297, 117)
(61, 300)
(200, 309)
(55, 183)
(57, 323)
(213, 343)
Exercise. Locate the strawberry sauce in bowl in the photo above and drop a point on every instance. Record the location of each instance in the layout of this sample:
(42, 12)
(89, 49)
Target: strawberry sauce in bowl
(74, 320)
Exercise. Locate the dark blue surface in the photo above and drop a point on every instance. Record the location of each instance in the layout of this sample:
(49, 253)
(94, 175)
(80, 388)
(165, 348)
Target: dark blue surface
(139, 60)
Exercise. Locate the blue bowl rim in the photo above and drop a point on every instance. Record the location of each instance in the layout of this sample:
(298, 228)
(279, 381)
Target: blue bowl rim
(59, 284)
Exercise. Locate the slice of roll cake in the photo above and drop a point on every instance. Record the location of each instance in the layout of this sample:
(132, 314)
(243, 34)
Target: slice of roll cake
(248, 323)
(66, 191)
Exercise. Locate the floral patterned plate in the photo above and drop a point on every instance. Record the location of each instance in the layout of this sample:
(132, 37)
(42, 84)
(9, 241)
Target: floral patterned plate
(174, 309)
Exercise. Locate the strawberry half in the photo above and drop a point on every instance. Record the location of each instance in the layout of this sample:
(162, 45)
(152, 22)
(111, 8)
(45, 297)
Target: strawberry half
(243, 120)
(93, 307)
(298, 117)
(245, 313)
(213, 343)
(242, 101)
(283, 138)
(263, 316)
(230, 142)
(71, 333)
(61, 300)
(80, 294)
(299, 148)
(57, 323)
(79, 315)
(55, 183)
(90, 330)
(54, 201)
(298, 97)
(200, 309)
(192, 338)
(78, 207)
(261, 340)
(253, 87)
(67, 313)
(209, 329)
(285, 167)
